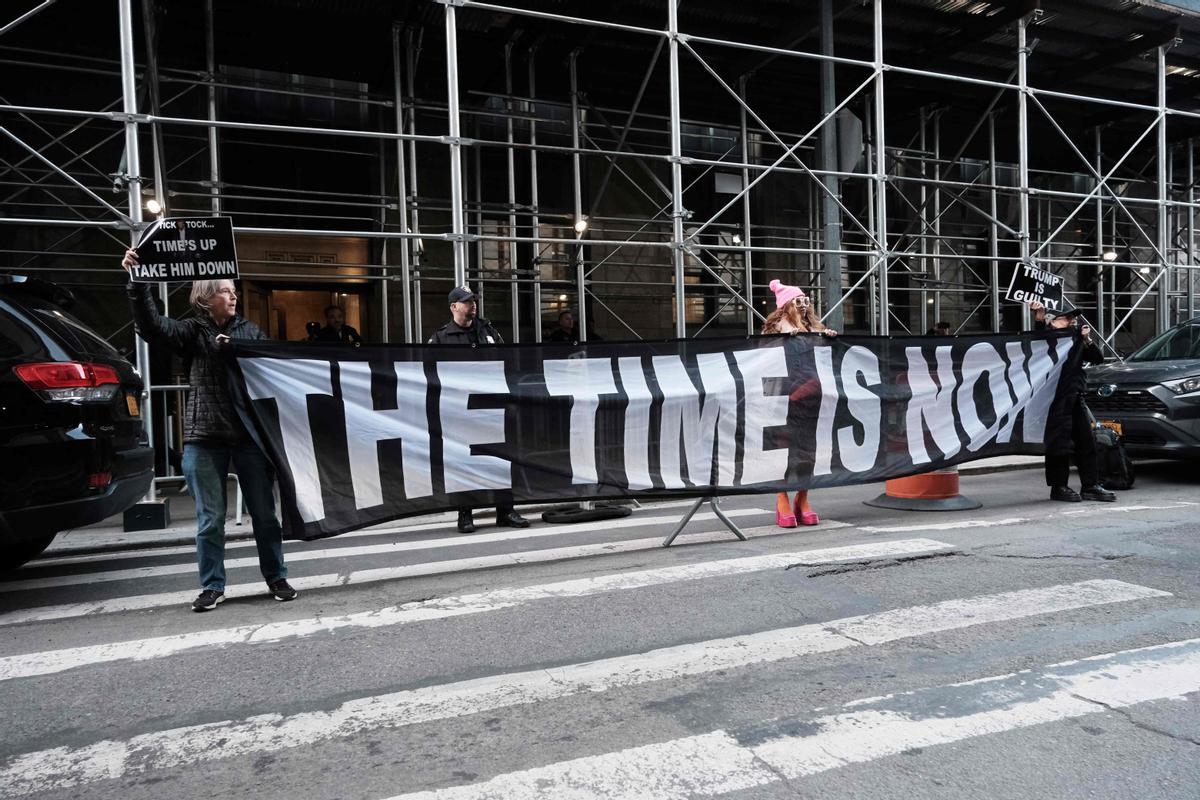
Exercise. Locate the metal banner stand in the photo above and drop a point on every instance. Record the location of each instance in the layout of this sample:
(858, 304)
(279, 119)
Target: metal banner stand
(712, 501)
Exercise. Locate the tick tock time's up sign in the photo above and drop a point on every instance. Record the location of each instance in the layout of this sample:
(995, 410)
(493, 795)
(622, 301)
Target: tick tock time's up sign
(186, 249)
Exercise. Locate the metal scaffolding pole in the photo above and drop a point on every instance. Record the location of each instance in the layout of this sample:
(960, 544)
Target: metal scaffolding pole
(993, 228)
(1190, 261)
(476, 174)
(923, 198)
(937, 215)
(747, 261)
(210, 64)
(1023, 151)
(412, 52)
(134, 184)
(401, 190)
(1163, 308)
(514, 286)
(534, 220)
(881, 222)
(1100, 323)
(677, 210)
(577, 185)
(457, 206)
(831, 213)
(872, 283)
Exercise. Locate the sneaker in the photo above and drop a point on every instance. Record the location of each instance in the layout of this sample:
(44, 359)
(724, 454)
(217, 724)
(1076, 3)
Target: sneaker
(1064, 493)
(282, 591)
(208, 600)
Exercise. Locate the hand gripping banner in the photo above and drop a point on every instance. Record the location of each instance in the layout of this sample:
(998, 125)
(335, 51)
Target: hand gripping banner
(365, 435)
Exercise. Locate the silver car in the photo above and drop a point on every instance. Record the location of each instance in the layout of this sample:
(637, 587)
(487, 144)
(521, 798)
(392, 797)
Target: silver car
(1154, 395)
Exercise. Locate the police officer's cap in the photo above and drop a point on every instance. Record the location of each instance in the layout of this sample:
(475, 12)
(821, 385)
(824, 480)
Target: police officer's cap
(461, 294)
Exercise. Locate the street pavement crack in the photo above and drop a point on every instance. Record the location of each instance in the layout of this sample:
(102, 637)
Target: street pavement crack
(1128, 716)
(1079, 557)
(872, 564)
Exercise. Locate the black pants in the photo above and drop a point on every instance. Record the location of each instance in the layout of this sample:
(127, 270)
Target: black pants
(501, 511)
(1058, 465)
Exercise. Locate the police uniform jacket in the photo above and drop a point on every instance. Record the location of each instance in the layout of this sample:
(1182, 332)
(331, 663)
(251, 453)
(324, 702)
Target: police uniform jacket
(480, 332)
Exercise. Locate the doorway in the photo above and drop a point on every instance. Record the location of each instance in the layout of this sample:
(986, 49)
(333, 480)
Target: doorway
(284, 311)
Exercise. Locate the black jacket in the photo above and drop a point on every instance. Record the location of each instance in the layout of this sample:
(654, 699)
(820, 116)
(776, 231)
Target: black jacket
(346, 334)
(1068, 398)
(209, 413)
(480, 332)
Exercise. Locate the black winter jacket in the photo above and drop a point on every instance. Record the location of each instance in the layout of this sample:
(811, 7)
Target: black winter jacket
(209, 413)
(480, 332)
(1068, 399)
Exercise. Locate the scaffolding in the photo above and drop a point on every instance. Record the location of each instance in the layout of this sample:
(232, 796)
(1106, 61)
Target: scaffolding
(648, 222)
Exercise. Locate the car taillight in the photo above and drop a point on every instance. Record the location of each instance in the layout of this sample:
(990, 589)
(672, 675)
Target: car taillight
(98, 480)
(70, 381)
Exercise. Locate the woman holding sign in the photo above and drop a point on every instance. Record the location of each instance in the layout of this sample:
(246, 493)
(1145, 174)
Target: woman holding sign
(1068, 423)
(794, 314)
(213, 434)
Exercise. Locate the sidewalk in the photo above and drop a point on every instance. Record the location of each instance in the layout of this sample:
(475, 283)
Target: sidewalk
(109, 536)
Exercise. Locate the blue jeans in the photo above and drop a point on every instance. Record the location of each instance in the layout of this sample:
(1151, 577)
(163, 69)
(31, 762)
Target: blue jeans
(206, 466)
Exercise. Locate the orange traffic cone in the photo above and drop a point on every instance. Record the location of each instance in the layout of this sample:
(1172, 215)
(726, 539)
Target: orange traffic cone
(929, 491)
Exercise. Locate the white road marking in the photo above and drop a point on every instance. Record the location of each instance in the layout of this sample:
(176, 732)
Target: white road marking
(356, 577)
(944, 526)
(139, 573)
(441, 524)
(1093, 508)
(863, 731)
(44, 663)
(63, 767)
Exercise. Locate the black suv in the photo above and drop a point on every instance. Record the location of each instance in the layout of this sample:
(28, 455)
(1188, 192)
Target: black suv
(1154, 394)
(71, 444)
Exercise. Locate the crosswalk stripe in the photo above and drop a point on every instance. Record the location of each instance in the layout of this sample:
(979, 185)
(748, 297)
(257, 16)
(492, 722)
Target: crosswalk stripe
(377, 574)
(1098, 508)
(444, 522)
(63, 767)
(138, 573)
(44, 663)
(862, 731)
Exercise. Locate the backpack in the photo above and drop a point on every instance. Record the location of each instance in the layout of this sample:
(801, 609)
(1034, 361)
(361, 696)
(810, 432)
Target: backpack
(1112, 462)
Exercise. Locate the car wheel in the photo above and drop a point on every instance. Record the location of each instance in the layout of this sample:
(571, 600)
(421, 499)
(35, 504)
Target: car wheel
(17, 553)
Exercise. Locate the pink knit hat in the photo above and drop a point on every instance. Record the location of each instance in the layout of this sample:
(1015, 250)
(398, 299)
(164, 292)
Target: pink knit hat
(785, 294)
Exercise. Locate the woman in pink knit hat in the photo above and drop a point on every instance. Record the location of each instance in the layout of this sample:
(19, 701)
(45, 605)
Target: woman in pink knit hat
(793, 314)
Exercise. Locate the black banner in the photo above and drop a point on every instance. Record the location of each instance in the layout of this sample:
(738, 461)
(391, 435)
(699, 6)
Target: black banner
(365, 435)
(186, 249)
(1030, 283)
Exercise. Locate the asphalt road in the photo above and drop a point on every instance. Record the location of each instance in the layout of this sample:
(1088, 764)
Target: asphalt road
(1027, 649)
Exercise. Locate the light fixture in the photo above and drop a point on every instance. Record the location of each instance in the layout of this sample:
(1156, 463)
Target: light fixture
(1109, 255)
(737, 238)
(1144, 270)
(929, 301)
(154, 207)
(562, 298)
(581, 225)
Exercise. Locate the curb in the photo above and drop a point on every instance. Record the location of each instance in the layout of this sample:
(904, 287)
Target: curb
(233, 533)
(999, 468)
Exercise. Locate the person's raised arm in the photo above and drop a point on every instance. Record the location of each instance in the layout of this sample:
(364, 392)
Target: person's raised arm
(151, 325)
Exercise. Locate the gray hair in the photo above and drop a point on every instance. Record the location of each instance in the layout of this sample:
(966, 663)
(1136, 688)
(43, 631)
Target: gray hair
(202, 292)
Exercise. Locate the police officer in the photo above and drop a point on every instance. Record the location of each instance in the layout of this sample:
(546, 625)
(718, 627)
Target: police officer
(467, 327)
(1068, 424)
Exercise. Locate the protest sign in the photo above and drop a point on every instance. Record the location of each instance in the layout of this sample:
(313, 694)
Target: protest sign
(186, 249)
(365, 435)
(1030, 283)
